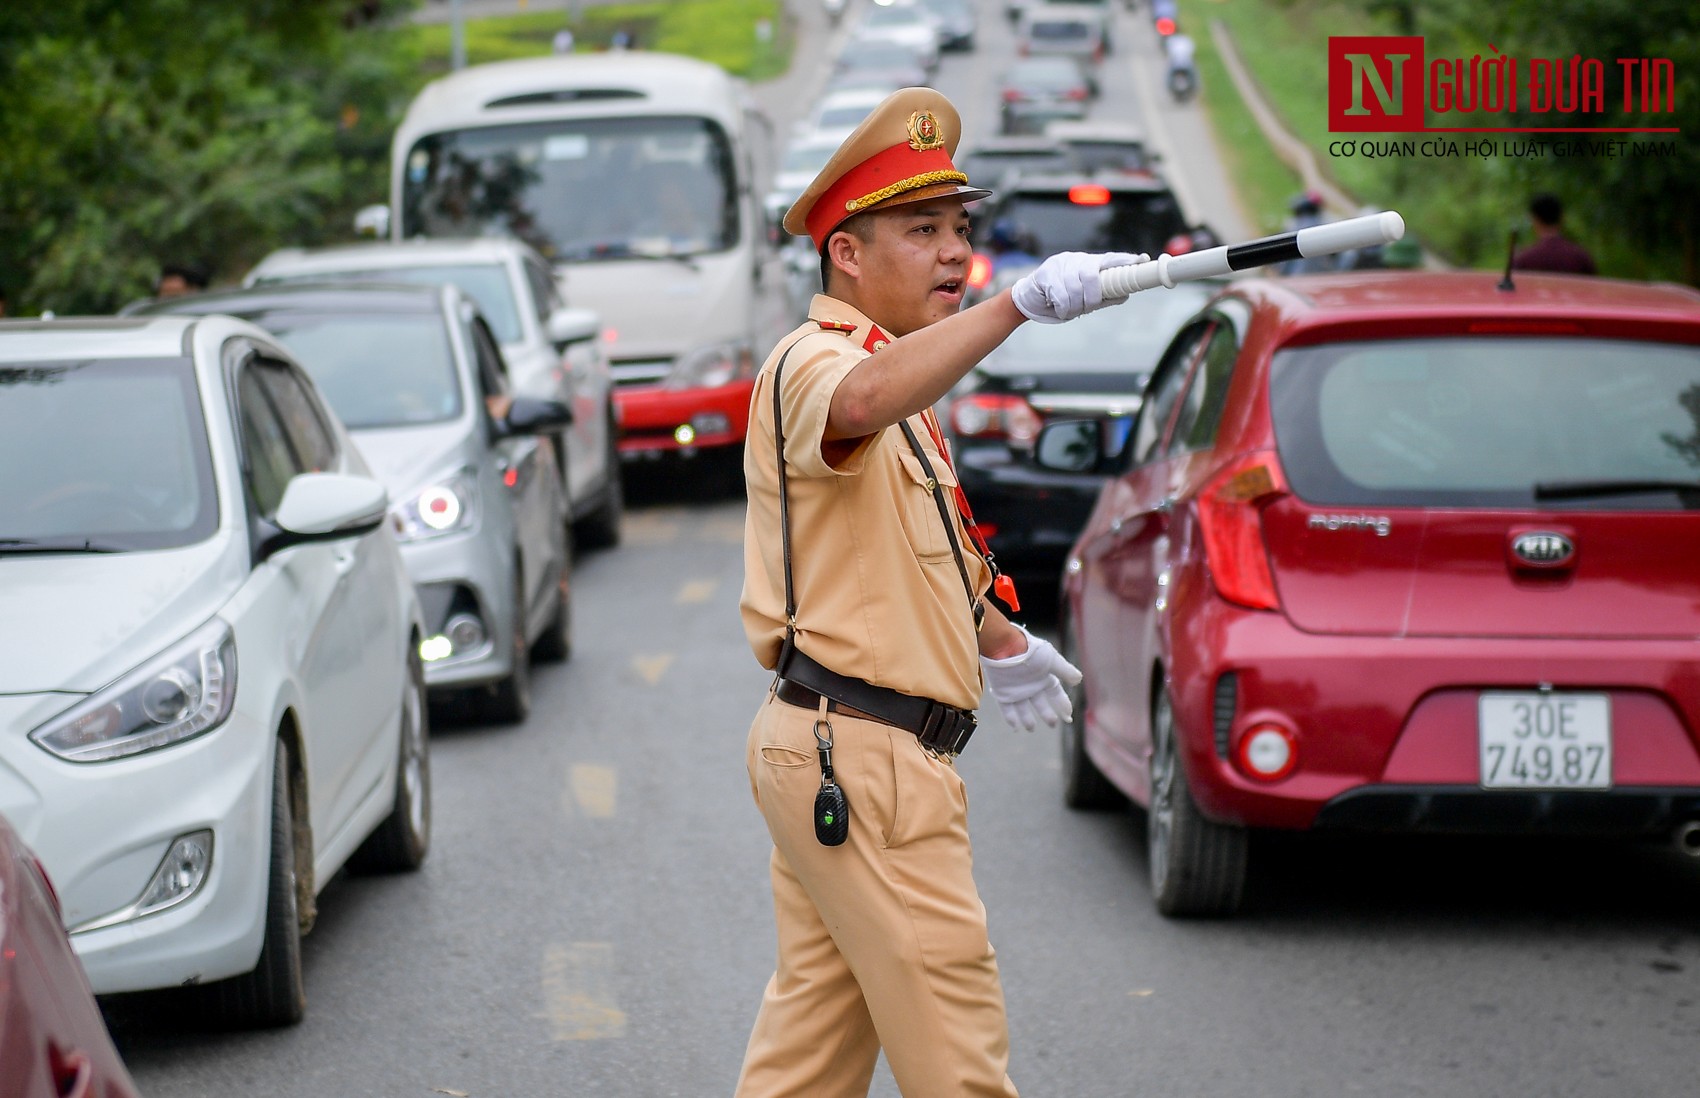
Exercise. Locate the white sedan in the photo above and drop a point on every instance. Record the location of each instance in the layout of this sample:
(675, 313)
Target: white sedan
(210, 692)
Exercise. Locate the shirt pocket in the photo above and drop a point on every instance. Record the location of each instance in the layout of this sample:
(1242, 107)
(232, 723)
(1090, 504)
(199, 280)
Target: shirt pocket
(919, 507)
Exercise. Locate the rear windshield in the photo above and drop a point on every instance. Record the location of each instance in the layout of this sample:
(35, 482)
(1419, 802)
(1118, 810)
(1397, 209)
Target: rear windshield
(106, 454)
(1130, 222)
(376, 369)
(1490, 422)
(579, 189)
(1060, 31)
(486, 283)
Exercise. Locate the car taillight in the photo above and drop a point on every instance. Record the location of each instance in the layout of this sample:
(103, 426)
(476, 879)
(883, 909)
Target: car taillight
(1230, 513)
(995, 416)
(1089, 194)
(1179, 244)
(1165, 26)
(979, 271)
(1012, 95)
(1076, 93)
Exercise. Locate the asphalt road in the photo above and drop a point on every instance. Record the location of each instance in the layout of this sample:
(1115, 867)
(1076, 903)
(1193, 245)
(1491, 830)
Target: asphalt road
(594, 916)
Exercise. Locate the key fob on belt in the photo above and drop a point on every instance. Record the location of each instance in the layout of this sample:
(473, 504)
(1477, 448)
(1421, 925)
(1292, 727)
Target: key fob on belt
(832, 814)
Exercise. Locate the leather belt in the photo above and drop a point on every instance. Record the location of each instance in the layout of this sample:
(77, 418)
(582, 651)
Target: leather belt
(943, 729)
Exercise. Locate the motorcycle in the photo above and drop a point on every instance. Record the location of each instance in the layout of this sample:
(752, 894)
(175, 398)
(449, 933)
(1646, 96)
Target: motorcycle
(1182, 84)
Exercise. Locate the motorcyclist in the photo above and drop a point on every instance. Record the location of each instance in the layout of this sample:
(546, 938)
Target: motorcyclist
(1182, 76)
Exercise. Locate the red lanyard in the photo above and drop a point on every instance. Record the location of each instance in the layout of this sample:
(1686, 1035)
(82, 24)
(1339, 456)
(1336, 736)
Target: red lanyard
(1002, 585)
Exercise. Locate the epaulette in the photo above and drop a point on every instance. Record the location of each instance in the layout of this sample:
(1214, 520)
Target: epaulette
(842, 327)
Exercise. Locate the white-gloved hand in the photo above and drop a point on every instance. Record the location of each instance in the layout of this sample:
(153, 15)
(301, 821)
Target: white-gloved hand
(1067, 285)
(1029, 687)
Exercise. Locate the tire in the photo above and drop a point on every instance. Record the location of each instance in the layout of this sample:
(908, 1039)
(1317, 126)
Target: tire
(601, 528)
(1084, 785)
(556, 643)
(401, 841)
(509, 701)
(273, 994)
(1198, 866)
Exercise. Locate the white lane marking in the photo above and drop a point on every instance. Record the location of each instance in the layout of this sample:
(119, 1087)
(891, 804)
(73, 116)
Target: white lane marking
(651, 668)
(578, 992)
(591, 790)
(696, 591)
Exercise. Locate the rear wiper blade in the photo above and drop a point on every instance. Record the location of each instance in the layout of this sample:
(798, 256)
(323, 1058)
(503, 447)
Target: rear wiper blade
(63, 545)
(1593, 489)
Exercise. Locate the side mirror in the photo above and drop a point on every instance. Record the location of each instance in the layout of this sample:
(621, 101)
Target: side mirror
(536, 416)
(326, 507)
(372, 221)
(1070, 446)
(566, 326)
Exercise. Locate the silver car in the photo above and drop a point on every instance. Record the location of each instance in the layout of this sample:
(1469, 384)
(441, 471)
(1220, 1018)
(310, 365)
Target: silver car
(552, 352)
(415, 374)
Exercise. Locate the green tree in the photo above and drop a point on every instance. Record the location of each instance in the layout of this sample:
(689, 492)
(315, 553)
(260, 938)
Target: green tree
(138, 132)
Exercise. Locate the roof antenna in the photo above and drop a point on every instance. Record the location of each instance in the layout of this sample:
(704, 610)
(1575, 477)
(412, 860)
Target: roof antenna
(1510, 254)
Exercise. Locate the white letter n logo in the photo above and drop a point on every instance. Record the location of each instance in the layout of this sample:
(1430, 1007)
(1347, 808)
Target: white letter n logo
(1364, 72)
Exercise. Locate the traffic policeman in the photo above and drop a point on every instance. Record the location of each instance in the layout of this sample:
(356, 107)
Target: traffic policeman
(865, 592)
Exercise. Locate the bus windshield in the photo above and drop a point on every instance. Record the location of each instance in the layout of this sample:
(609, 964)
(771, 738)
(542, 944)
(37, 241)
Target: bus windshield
(580, 189)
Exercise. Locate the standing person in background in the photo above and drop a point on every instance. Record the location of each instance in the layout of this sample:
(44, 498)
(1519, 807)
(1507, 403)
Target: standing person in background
(179, 280)
(1552, 250)
(864, 592)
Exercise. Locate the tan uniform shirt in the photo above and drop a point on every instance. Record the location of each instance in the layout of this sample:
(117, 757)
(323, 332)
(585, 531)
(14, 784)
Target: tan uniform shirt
(879, 596)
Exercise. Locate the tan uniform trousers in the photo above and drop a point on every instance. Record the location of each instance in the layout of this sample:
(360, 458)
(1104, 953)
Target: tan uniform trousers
(882, 941)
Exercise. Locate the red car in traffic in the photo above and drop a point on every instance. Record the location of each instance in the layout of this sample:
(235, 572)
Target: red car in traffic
(1400, 552)
(53, 1041)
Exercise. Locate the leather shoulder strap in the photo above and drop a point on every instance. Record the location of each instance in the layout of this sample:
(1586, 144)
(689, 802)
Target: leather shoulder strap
(974, 604)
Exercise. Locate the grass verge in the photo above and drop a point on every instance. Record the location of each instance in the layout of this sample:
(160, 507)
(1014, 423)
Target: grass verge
(721, 31)
(1262, 179)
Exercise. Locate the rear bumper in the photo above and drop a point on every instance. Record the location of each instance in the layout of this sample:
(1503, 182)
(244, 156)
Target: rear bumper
(1386, 727)
(651, 417)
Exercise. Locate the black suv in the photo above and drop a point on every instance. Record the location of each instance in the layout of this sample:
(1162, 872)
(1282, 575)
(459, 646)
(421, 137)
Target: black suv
(1099, 212)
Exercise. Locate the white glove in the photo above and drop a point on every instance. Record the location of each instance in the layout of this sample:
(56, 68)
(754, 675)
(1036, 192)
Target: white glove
(1066, 285)
(1029, 687)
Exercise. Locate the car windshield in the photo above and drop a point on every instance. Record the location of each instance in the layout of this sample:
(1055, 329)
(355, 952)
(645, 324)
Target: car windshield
(849, 117)
(1480, 422)
(376, 369)
(1045, 74)
(1129, 337)
(486, 283)
(894, 17)
(1131, 221)
(808, 158)
(1060, 30)
(116, 456)
(877, 55)
(586, 189)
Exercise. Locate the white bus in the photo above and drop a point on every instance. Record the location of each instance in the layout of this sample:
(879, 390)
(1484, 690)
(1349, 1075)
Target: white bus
(634, 173)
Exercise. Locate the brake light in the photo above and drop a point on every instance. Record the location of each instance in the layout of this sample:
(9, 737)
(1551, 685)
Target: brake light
(1089, 194)
(1012, 95)
(1179, 244)
(1165, 26)
(995, 416)
(979, 271)
(1231, 517)
(1076, 93)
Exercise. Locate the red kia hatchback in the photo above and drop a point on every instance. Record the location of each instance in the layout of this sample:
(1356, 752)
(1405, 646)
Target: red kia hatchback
(1397, 551)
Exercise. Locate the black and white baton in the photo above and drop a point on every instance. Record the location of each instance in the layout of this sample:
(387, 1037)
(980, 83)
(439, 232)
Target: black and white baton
(1368, 231)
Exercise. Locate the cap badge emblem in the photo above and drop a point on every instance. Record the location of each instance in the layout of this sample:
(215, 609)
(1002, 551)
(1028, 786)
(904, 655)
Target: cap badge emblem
(924, 131)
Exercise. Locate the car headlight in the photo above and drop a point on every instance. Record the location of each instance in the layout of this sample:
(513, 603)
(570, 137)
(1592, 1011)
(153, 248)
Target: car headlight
(184, 692)
(708, 367)
(444, 506)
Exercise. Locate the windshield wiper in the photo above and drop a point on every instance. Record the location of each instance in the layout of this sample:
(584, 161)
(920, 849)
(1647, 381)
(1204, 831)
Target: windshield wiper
(1595, 489)
(9, 546)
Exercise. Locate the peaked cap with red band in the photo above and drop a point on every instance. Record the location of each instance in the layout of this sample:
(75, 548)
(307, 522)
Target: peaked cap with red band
(899, 154)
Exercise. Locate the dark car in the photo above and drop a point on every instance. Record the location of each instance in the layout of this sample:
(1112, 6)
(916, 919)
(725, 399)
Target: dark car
(53, 1041)
(1036, 90)
(957, 21)
(1092, 367)
(1095, 146)
(987, 163)
(1400, 552)
(1105, 212)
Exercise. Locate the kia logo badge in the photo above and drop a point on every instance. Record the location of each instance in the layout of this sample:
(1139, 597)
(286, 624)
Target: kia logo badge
(1543, 549)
